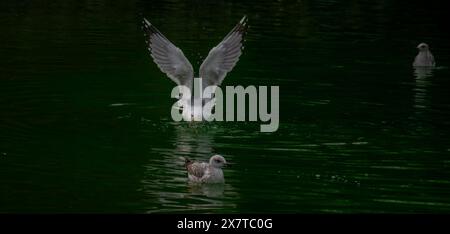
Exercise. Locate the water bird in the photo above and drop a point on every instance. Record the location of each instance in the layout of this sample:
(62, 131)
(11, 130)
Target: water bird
(424, 58)
(206, 172)
(171, 61)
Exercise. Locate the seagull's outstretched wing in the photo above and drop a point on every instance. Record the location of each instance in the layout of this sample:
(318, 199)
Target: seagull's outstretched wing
(222, 58)
(169, 58)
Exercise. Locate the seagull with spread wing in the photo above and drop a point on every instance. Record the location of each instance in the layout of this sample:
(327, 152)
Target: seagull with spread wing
(171, 60)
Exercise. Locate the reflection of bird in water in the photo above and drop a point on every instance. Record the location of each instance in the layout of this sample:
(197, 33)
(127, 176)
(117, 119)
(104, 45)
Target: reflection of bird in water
(209, 190)
(420, 120)
(203, 172)
(193, 140)
(422, 75)
(424, 58)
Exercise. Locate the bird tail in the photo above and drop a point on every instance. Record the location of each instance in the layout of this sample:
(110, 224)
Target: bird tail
(187, 161)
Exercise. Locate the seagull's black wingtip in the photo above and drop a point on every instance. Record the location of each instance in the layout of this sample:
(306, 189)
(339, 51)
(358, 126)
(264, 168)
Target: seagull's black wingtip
(244, 20)
(146, 22)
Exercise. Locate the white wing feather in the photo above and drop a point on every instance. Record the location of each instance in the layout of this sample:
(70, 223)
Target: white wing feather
(169, 58)
(222, 58)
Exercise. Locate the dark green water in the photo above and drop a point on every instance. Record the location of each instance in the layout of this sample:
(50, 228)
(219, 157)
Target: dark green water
(85, 120)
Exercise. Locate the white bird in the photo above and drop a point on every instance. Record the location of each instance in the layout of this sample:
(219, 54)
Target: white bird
(424, 58)
(203, 172)
(171, 60)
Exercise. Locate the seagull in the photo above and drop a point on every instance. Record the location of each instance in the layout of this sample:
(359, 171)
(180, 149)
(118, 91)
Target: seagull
(203, 172)
(171, 61)
(424, 58)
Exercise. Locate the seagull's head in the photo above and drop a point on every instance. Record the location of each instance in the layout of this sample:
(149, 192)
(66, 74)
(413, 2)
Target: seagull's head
(423, 47)
(217, 161)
